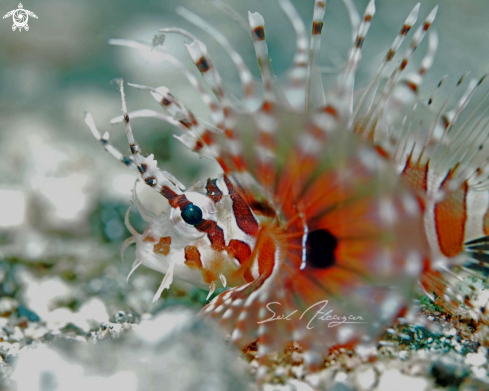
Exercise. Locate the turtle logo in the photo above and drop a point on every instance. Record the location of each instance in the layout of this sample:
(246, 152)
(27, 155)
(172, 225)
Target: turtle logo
(20, 17)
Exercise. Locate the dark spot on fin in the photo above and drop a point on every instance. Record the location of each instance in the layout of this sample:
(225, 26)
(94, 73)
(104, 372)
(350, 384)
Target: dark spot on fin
(320, 249)
(203, 65)
(359, 42)
(317, 27)
(259, 33)
(150, 181)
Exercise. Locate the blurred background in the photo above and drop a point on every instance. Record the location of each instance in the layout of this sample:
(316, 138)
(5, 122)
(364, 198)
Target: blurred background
(63, 199)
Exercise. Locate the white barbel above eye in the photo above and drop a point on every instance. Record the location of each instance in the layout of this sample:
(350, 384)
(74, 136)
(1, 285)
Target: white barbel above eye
(209, 212)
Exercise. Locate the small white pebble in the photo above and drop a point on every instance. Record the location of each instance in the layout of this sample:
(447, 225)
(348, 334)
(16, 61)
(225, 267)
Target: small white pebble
(313, 379)
(340, 377)
(276, 387)
(325, 377)
(482, 350)
(393, 380)
(280, 371)
(479, 372)
(365, 379)
(403, 355)
(298, 371)
(475, 359)
(449, 332)
(299, 385)
(296, 357)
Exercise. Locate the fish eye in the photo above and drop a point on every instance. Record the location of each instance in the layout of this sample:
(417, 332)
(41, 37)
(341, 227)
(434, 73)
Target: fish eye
(199, 207)
(191, 214)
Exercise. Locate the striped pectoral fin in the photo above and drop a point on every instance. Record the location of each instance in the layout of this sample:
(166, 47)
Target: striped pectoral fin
(238, 310)
(450, 219)
(266, 256)
(271, 335)
(263, 253)
(478, 249)
(432, 282)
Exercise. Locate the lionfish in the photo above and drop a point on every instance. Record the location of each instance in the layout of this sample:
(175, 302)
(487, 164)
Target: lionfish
(332, 203)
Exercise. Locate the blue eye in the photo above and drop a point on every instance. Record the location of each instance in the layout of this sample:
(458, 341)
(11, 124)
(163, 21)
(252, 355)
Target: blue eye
(191, 214)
